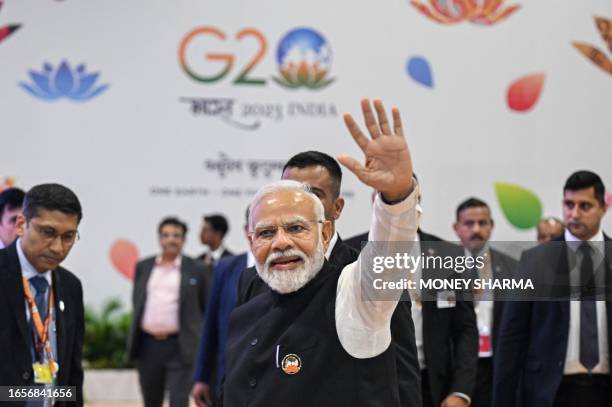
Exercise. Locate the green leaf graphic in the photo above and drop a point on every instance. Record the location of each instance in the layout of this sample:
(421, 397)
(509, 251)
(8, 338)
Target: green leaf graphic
(521, 207)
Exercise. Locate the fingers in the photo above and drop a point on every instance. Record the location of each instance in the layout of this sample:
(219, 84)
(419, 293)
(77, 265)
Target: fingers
(397, 122)
(382, 116)
(352, 164)
(357, 134)
(200, 402)
(370, 120)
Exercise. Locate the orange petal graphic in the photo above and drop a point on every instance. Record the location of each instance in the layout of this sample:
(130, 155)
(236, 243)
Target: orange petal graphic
(525, 92)
(124, 255)
(605, 29)
(596, 56)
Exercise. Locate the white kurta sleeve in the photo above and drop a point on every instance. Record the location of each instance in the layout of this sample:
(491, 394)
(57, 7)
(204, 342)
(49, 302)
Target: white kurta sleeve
(364, 326)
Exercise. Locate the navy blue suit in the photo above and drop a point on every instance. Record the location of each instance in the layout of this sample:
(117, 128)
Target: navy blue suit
(533, 336)
(214, 331)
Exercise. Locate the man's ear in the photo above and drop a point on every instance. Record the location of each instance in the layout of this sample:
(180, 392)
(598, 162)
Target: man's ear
(20, 224)
(338, 206)
(250, 237)
(326, 233)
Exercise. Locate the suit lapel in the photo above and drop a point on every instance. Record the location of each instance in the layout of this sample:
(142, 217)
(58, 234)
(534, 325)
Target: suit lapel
(142, 282)
(184, 285)
(15, 293)
(59, 316)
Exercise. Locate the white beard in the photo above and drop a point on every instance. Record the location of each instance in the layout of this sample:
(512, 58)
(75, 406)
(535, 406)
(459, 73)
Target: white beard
(288, 281)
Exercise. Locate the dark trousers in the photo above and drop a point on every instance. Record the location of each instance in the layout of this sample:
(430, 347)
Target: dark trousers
(425, 390)
(584, 390)
(483, 391)
(161, 367)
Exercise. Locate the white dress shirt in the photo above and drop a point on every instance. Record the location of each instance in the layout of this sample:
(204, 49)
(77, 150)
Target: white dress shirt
(483, 303)
(364, 326)
(417, 309)
(217, 253)
(28, 271)
(572, 356)
(161, 309)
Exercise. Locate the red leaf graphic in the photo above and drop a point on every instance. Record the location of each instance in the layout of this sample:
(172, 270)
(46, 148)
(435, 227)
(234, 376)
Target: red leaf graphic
(525, 92)
(124, 255)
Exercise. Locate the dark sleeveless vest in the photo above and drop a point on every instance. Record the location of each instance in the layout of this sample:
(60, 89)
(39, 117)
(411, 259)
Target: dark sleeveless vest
(271, 326)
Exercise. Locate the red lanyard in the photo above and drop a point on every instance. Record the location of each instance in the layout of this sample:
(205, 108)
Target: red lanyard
(41, 328)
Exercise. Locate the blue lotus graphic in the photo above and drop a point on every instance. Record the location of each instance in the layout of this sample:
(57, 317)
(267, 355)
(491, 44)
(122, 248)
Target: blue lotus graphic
(304, 58)
(52, 84)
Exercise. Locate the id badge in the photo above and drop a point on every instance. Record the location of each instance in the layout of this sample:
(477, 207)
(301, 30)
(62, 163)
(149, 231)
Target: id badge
(42, 373)
(446, 299)
(484, 344)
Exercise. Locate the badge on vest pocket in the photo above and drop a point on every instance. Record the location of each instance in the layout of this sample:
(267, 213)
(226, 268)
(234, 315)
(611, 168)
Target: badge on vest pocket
(291, 364)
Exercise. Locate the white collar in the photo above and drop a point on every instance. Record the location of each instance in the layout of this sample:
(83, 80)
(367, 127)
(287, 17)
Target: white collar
(481, 252)
(216, 254)
(597, 237)
(332, 244)
(250, 259)
(27, 269)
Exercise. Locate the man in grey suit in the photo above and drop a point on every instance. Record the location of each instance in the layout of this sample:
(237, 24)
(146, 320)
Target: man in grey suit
(169, 299)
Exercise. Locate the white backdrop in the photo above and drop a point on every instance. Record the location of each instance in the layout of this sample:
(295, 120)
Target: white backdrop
(137, 152)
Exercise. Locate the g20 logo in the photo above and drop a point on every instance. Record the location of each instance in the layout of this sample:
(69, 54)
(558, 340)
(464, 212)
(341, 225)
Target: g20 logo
(303, 56)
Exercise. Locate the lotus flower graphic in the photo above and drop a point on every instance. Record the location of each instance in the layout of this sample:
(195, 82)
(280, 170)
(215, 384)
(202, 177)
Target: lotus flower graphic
(304, 58)
(52, 84)
(7, 30)
(484, 12)
(597, 56)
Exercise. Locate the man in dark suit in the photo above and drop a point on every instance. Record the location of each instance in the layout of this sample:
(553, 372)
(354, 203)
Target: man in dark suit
(324, 176)
(474, 227)
(559, 347)
(446, 333)
(47, 230)
(313, 311)
(213, 232)
(357, 241)
(210, 362)
(169, 299)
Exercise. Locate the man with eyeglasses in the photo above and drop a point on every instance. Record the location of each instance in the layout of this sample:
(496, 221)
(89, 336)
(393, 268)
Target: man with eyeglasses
(41, 303)
(313, 339)
(169, 299)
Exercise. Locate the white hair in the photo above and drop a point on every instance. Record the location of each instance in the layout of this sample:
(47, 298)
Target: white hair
(285, 185)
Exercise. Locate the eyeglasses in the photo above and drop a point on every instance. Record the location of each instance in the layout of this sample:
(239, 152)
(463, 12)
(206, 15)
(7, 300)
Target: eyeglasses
(169, 235)
(49, 234)
(300, 229)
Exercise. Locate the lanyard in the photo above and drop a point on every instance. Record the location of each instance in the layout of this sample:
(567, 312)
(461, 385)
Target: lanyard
(41, 328)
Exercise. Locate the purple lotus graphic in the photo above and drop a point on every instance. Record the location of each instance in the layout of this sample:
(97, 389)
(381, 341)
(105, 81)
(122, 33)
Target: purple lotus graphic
(52, 84)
